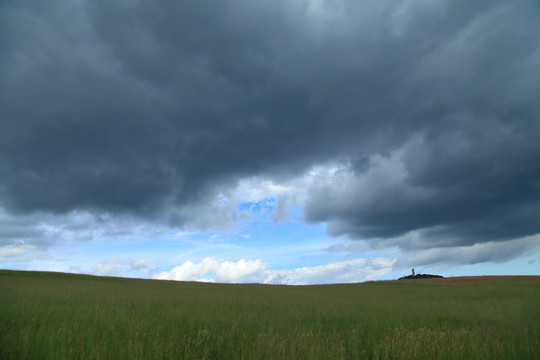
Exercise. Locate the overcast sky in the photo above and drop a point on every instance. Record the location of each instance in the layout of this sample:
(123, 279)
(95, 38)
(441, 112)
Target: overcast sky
(294, 141)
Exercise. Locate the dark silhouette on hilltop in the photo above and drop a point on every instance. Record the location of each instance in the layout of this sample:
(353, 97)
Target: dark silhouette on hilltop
(419, 276)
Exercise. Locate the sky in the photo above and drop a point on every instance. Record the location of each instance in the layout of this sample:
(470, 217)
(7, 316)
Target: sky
(279, 142)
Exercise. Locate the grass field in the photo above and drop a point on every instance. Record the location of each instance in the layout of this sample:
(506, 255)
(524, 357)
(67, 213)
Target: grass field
(66, 316)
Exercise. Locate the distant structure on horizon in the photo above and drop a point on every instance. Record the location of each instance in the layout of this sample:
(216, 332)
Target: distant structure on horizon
(414, 275)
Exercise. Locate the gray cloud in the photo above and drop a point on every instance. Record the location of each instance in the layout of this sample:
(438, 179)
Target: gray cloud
(22, 238)
(477, 198)
(497, 252)
(22, 230)
(125, 107)
(281, 211)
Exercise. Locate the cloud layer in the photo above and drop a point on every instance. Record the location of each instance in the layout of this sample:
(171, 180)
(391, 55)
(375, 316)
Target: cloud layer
(115, 267)
(428, 111)
(246, 271)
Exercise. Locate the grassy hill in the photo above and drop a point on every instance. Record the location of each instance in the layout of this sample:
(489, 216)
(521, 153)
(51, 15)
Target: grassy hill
(67, 316)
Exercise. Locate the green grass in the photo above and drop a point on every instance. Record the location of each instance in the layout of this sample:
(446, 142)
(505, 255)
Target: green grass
(66, 316)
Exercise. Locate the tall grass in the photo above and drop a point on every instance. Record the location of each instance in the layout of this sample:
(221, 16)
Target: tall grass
(65, 316)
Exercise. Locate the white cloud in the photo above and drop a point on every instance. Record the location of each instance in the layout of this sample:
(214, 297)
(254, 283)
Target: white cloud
(22, 252)
(116, 266)
(356, 270)
(224, 271)
(256, 188)
(243, 271)
(107, 267)
(349, 247)
(140, 264)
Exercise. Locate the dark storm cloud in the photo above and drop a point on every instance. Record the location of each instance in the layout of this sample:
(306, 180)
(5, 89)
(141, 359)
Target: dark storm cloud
(137, 107)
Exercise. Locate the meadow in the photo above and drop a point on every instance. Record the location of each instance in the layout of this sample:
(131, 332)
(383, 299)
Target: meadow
(67, 316)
